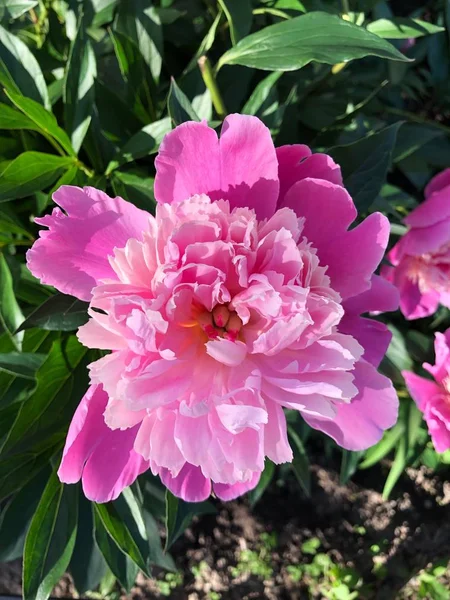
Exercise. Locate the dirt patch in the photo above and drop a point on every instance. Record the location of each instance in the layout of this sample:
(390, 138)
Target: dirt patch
(242, 554)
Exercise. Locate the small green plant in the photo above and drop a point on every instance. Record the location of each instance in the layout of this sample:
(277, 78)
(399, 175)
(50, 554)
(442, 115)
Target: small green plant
(257, 563)
(169, 583)
(322, 576)
(429, 586)
(311, 546)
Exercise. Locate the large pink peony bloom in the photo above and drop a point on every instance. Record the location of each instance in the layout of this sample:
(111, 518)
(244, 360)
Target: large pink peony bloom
(421, 258)
(242, 296)
(433, 397)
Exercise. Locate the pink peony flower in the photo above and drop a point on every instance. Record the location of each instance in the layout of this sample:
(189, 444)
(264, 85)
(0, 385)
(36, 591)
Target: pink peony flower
(242, 296)
(421, 258)
(433, 397)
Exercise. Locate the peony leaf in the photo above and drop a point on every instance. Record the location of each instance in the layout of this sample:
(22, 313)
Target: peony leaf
(316, 36)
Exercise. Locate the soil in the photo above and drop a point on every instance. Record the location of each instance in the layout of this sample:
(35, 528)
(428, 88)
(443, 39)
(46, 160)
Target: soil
(387, 544)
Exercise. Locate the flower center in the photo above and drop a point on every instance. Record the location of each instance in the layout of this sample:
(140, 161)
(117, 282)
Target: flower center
(221, 322)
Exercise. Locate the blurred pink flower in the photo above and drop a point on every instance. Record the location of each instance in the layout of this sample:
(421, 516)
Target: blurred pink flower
(433, 397)
(421, 258)
(242, 296)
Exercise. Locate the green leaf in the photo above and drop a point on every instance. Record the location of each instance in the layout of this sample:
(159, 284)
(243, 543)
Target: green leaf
(157, 556)
(16, 471)
(143, 143)
(44, 121)
(58, 313)
(349, 464)
(123, 568)
(50, 540)
(16, 517)
(384, 446)
(12, 9)
(178, 105)
(19, 70)
(206, 43)
(87, 565)
(411, 137)
(261, 93)
(365, 164)
(21, 364)
(31, 172)
(316, 36)
(402, 28)
(138, 20)
(179, 515)
(120, 533)
(239, 16)
(266, 477)
(135, 189)
(407, 448)
(10, 314)
(79, 91)
(13, 119)
(52, 393)
(300, 464)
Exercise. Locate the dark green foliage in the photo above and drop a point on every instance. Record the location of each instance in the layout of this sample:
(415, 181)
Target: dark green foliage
(87, 92)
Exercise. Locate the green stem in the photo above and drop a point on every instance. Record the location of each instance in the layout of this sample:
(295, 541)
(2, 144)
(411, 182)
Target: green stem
(84, 168)
(54, 143)
(416, 118)
(211, 84)
(345, 7)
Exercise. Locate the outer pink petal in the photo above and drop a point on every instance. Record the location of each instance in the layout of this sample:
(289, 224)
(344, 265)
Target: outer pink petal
(381, 297)
(442, 362)
(276, 445)
(438, 183)
(315, 198)
(437, 417)
(73, 254)
(372, 335)
(421, 240)
(189, 485)
(297, 162)
(102, 458)
(242, 167)
(360, 424)
(421, 390)
(230, 492)
(353, 257)
(414, 304)
(435, 209)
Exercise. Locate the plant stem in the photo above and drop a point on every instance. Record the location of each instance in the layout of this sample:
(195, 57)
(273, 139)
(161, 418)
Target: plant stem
(416, 118)
(211, 84)
(84, 168)
(345, 7)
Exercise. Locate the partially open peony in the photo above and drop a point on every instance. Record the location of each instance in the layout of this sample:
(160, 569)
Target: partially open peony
(421, 259)
(433, 397)
(242, 296)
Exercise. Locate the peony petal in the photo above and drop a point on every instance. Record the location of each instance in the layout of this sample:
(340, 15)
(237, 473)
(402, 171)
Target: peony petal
(190, 484)
(241, 168)
(73, 254)
(353, 257)
(434, 210)
(276, 445)
(228, 492)
(421, 240)
(421, 390)
(361, 423)
(315, 198)
(438, 183)
(102, 458)
(296, 162)
(442, 350)
(227, 352)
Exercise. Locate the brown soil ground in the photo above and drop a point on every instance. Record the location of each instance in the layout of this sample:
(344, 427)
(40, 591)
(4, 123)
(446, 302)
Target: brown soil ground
(412, 531)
